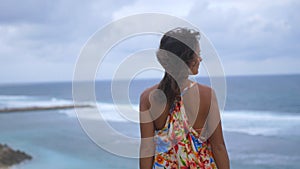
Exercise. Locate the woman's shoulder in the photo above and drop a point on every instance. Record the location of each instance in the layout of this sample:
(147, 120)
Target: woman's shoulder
(204, 89)
(145, 94)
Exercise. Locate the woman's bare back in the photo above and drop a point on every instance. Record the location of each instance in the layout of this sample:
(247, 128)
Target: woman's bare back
(196, 102)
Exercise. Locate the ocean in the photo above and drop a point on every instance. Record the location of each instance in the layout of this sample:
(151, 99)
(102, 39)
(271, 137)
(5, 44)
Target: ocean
(261, 122)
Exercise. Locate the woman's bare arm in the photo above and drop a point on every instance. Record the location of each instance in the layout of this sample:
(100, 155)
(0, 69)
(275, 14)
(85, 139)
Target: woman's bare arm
(219, 148)
(217, 139)
(147, 147)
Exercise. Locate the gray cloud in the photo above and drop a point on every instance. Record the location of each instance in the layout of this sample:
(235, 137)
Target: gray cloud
(252, 30)
(50, 29)
(53, 32)
(27, 11)
(49, 33)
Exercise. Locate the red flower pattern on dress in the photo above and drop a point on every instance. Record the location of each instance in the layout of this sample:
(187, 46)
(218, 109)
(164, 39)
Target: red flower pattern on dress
(181, 148)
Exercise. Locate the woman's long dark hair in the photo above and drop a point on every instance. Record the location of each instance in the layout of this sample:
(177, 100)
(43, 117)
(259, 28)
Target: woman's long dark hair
(180, 42)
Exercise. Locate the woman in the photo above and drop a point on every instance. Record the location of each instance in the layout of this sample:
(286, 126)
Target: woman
(177, 116)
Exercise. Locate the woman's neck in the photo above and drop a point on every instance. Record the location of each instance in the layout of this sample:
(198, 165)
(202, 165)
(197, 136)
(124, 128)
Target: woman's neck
(185, 83)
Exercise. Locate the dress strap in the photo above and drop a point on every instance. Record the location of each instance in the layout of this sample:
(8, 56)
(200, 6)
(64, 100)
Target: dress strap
(187, 88)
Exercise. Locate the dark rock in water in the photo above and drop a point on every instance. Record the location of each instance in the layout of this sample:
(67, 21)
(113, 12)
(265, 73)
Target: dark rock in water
(9, 157)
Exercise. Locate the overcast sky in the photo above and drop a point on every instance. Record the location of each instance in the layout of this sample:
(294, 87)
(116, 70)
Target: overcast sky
(41, 40)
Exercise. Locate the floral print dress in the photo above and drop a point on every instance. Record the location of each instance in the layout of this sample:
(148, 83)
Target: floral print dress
(178, 145)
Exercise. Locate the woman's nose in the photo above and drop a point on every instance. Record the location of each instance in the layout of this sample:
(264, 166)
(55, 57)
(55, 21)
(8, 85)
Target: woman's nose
(200, 59)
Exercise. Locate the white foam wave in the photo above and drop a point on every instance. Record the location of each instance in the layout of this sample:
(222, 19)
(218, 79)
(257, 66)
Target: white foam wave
(122, 113)
(23, 103)
(249, 122)
(260, 122)
(10, 101)
(14, 97)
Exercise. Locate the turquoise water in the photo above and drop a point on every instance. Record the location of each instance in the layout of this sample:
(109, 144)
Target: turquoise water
(55, 141)
(260, 123)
